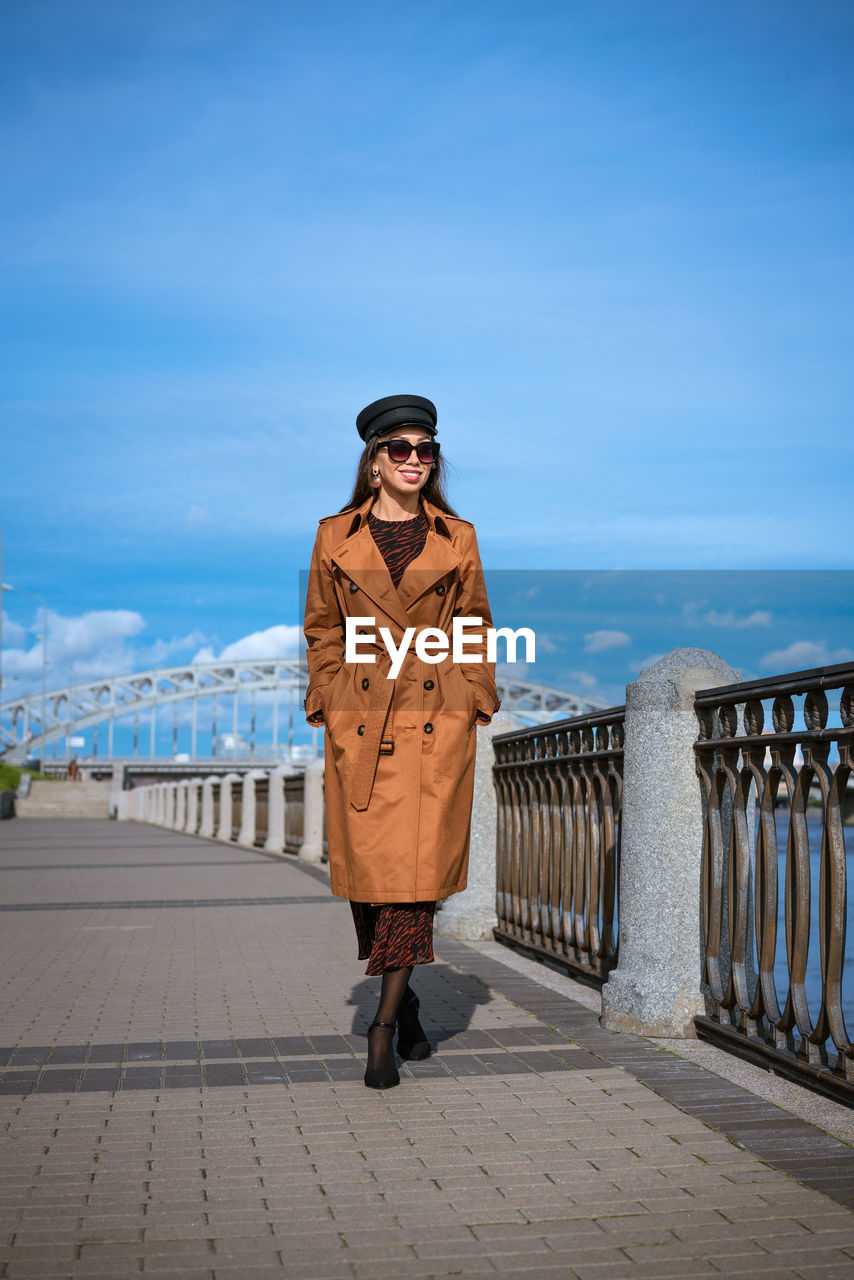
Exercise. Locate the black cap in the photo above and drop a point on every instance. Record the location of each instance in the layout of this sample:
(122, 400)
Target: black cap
(396, 411)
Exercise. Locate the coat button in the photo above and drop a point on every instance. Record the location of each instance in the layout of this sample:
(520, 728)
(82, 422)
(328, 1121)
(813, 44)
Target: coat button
(354, 586)
(360, 730)
(365, 683)
(428, 684)
(440, 590)
(428, 728)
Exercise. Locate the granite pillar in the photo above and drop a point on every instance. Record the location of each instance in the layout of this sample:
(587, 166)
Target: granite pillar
(655, 990)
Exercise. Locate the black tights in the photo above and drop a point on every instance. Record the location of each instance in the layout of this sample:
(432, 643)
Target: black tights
(380, 1041)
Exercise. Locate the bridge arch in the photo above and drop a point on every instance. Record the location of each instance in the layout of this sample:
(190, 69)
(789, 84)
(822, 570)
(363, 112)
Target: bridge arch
(209, 701)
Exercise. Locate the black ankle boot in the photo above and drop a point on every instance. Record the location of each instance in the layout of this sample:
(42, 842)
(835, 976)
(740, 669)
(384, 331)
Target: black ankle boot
(387, 1076)
(412, 1043)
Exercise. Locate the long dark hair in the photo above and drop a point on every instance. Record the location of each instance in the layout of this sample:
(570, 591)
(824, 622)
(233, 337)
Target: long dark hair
(433, 490)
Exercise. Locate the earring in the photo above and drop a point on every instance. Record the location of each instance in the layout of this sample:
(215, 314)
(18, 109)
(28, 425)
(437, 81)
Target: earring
(376, 475)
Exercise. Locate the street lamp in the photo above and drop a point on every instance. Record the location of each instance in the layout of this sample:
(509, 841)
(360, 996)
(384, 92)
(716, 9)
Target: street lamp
(5, 586)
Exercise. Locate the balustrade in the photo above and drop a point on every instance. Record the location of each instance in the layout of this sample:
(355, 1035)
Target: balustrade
(775, 903)
(262, 810)
(558, 840)
(294, 812)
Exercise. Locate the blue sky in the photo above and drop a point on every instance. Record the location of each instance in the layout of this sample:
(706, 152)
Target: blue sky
(613, 242)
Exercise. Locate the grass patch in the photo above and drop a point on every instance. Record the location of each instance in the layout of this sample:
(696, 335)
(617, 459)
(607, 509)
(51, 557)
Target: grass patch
(10, 776)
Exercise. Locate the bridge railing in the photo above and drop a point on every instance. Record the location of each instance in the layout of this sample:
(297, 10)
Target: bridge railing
(277, 800)
(294, 812)
(217, 790)
(774, 875)
(262, 810)
(236, 807)
(712, 831)
(559, 789)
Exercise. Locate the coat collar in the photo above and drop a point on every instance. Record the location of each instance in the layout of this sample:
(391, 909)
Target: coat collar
(361, 559)
(435, 516)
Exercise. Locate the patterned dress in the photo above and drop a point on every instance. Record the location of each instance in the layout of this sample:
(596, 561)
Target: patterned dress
(395, 935)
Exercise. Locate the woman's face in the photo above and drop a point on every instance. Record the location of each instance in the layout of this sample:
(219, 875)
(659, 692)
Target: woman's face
(400, 478)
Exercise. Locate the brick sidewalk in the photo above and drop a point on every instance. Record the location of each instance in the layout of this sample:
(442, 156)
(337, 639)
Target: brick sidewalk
(184, 1025)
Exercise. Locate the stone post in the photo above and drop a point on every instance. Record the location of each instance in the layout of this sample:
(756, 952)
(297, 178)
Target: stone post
(275, 842)
(206, 826)
(246, 835)
(194, 787)
(224, 829)
(311, 849)
(471, 914)
(655, 989)
(180, 819)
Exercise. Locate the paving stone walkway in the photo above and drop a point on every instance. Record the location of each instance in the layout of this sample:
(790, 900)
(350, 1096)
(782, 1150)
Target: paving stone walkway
(182, 1032)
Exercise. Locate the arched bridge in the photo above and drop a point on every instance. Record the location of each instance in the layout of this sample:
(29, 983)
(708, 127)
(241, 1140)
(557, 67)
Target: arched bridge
(242, 708)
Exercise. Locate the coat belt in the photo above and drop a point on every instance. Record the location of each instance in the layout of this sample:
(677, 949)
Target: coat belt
(379, 710)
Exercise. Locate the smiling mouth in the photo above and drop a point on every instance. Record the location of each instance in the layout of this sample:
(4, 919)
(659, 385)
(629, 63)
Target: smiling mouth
(410, 475)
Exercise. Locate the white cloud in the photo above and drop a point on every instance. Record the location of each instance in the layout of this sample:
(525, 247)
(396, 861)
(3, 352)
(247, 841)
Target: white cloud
(526, 593)
(157, 654)
(91, 632)
(13, 633)
(585, 679)
(804, 654)
(515, 671)
(204, 655)
(281, 641)
(644, 663)
(598, 641)
(758, 618)
(93, 644)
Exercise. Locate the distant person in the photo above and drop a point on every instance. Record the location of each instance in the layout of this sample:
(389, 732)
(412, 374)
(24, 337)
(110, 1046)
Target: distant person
(400, 753)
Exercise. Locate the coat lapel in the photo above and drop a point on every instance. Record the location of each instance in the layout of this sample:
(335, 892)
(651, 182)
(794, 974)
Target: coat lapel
(436, 560)
(360, 558)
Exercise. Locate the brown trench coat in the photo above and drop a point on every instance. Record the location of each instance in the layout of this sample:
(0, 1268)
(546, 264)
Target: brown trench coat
(399, 752)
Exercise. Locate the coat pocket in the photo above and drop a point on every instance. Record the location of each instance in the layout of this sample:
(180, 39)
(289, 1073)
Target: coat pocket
(461, 695)
(334, 697)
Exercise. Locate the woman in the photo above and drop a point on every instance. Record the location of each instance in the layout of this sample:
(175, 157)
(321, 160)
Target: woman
(400, 728)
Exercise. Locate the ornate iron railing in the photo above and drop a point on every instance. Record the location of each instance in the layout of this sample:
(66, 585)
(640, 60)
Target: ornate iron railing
(559, 789)
(754, 888)
(217, 791)
(294, 808)
(236, 807)
(262, 810)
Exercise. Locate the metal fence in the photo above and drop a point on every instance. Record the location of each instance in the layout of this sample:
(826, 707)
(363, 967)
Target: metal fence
(774, 910)
(217, 791)
(262, 810)
(294, 812)
(559, 790)
(236, 807)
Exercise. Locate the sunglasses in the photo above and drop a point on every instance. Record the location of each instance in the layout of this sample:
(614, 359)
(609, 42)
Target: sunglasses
(426, 451)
